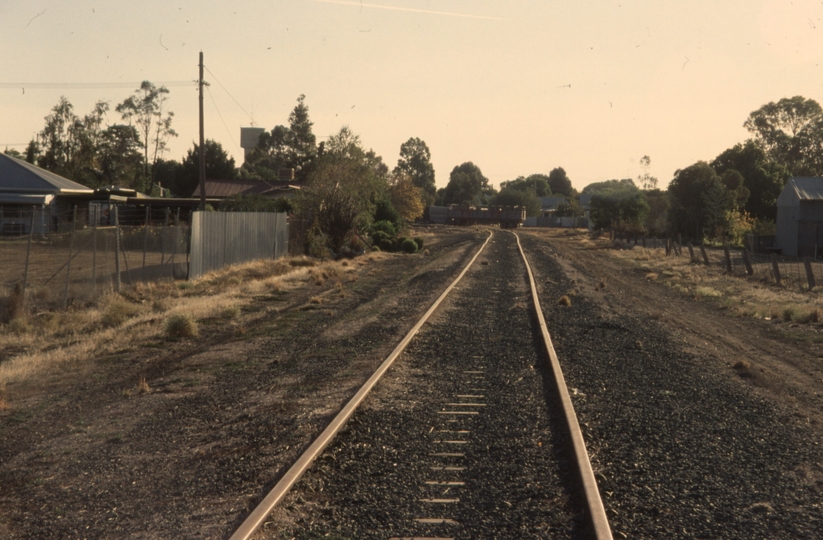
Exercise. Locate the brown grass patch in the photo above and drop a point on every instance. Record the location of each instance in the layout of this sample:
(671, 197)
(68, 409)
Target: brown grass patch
(564, 301)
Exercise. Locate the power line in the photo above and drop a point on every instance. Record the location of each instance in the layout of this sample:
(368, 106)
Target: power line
(76, 86)
(221, 119)
(229, 93)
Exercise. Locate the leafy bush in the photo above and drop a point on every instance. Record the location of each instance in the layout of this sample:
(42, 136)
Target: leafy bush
(419, 241)
(409, 246)
(386, 245)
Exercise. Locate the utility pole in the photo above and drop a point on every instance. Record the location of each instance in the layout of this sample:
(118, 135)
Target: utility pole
(202, 143)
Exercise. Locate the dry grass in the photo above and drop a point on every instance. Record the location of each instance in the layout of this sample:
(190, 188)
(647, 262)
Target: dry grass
(39, 346)
(742, 296)
(181, 325)
(564, 301)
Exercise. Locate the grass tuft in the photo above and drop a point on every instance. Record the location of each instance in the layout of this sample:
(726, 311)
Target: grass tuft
(181, 326)
(118, 311)
(564, 301)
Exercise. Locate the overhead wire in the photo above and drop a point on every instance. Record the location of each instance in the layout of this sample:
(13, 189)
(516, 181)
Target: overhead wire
(222, 120)
(229, 93)
(66, 86)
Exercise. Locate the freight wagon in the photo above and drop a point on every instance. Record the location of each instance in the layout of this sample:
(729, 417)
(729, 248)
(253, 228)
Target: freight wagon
(508, 217)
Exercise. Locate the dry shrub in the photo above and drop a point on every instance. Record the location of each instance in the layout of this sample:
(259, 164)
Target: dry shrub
(16, 302)
(230, 312)
(601, 284)
(651, 276)
(19, 326)
(118, 311)
(742, 364)
(564, 301)
(143, 386)
(181, 325)
(707, 292)
(315, 300)
(160, 305)
(302, 261)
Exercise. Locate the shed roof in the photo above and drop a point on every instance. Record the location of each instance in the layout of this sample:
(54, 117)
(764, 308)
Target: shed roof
(801, 188)
(20, 176)
(552, 202)
(226, 188)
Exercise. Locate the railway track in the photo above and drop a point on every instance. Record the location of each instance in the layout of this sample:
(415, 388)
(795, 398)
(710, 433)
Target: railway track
(471, 435)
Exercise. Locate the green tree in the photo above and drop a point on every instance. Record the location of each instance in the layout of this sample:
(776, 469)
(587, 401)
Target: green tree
(13, 153)
(146, 110)
(701, 201)
(535, 183)
(617, 204)
(119, 157)
(343, 189)
(415, 162)
(789, 131)
(292, 147)
(764, 178)
(647, 181)
(560, 184)
(219, 166)
(510, 196)
(467, 185)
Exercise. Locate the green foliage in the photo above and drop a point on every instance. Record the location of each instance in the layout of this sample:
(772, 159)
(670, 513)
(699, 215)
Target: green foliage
(623, 211)
(219, 166)
(254, 203)
(419, 241)
(415, 161)
(385, 227)
(572, 209)
(560, 184)
(467, 185)
(293, 147)
(385, 211)
(146, 109)
(409, 246)
(656, 219)
(762, 177)
(612, 187)
(510, 196)
(537, 184)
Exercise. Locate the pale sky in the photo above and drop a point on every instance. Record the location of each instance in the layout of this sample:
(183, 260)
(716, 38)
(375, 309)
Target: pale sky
(517, 87)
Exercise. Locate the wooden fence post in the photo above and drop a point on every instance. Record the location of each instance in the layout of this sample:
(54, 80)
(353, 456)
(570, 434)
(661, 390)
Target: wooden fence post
(68, 264)
(146, 238)
(691, 252)
(94, 256)
(28, 256)
(776, 269)
(668, 246)
(117, 248)
(809, 274)
(747, 262)
(728, 258)
(705, 255)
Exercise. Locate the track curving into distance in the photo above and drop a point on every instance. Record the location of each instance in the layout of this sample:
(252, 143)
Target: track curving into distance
(479, 430)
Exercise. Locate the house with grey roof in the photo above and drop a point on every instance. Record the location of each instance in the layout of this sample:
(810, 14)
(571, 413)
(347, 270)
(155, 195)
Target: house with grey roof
(800, 218)
(27, 191)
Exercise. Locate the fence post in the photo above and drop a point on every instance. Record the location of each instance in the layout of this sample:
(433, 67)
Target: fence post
(68, 264)
(809, 274)
(747, 262)
(728, 258)
(668, 246)
(94, 256)
(705, 255)
(146, 238)
(776, 268)
(28, 255)
(691, 252)
(117, 248)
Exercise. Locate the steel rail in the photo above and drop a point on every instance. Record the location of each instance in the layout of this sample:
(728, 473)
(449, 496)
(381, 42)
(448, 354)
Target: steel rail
(258, 516)
(596, 513)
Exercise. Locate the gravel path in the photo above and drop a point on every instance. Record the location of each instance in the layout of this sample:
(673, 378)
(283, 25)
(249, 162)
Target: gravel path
(682, 449)
(372, 480)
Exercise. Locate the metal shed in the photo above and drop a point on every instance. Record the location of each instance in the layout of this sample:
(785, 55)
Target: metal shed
(800, 218)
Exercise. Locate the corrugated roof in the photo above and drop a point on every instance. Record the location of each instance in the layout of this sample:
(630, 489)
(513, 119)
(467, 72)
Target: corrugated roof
(227, 188)
(23, 177)
(807, 188)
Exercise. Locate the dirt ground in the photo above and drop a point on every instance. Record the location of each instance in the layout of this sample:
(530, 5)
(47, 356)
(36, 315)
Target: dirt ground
(180, 438)
(783, 361)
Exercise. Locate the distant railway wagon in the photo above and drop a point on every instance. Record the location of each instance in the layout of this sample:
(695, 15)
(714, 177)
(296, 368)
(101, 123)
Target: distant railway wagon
(508, 217)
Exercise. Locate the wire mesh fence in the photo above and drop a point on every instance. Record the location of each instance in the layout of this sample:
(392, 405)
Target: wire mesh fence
(77, 263)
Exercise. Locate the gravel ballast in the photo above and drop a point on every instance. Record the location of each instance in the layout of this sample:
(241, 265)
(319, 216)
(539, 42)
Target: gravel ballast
(682, 449)
(479, 350)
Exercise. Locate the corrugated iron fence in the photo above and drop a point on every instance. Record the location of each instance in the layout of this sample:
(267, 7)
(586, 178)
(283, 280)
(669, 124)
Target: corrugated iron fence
(220, 239)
